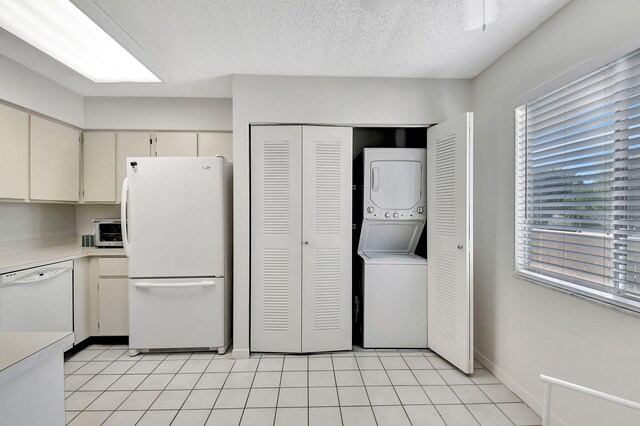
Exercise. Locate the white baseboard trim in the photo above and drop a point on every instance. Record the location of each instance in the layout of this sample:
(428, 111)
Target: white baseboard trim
(509, 382)
(240, 353)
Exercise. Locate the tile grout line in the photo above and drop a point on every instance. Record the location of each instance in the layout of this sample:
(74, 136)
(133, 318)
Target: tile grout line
(221, 388)
(335, 379)
(250, 386)
(136, 388)
(366, 392)
(396, 392)
(194, 385)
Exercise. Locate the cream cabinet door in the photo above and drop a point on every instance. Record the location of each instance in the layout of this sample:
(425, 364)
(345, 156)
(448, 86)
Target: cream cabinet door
(99, 167)
(129, 144)
(55, 161)
(176, 144)
(212, 144)
(81, 296)
(113, 306)
(14, 152)
(326, 238)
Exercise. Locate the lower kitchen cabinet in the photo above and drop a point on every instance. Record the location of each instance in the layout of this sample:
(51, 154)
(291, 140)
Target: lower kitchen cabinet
(113, 297)
(81, 299)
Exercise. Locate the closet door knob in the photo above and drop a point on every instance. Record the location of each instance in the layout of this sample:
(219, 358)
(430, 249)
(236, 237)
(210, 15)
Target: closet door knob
(460, 247)
(306, 243)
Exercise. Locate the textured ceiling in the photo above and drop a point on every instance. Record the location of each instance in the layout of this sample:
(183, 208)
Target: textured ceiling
(200, 43)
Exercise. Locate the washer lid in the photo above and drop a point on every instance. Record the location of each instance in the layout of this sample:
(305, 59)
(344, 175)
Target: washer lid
(389, 236)
(393, 259)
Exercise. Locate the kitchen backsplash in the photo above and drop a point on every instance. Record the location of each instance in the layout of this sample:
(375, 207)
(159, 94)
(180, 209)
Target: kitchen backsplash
(86, 212)
(30, 225)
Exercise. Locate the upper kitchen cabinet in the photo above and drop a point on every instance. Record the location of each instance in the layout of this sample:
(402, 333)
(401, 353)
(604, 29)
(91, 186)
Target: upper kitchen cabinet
(176, 144)
(14, 151)
(129, 144)
(55, 161)
(99, 155)
(212, 144)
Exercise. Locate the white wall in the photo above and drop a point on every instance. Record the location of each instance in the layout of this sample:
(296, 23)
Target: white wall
(27, 89)
(525, 329)
(26, 225)
(157, 113)
(325, 100)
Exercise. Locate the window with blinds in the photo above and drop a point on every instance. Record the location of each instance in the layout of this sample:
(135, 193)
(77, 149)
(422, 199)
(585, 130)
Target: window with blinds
(578, 185)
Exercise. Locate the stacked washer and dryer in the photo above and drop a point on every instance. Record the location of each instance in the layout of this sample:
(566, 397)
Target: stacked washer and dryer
(394, 278)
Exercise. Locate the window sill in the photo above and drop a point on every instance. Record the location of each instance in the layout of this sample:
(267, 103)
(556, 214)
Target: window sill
(601, 298)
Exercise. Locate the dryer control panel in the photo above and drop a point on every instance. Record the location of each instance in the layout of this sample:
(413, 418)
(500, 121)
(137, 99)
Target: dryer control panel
(419, 212)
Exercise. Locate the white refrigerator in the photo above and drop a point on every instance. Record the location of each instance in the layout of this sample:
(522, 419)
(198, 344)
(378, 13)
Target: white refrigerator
(177, 233)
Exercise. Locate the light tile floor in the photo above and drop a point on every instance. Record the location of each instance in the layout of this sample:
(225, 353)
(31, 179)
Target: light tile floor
(104, 386)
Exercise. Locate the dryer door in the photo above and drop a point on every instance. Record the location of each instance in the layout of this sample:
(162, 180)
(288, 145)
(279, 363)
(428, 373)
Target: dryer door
(395, 185)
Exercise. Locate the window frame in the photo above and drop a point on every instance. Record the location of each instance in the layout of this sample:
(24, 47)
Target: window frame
(611, 300)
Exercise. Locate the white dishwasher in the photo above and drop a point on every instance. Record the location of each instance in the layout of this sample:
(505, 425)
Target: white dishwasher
(37, 299)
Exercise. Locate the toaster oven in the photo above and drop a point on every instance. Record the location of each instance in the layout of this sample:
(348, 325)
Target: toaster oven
(108, 233)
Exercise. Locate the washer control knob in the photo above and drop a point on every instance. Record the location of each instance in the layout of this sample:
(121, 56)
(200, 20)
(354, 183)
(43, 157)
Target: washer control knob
(369, 209)
(420, 210)
(387, 215)
(395, 215)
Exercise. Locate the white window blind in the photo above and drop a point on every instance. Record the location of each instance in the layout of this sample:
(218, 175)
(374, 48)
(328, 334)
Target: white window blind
(578, 184)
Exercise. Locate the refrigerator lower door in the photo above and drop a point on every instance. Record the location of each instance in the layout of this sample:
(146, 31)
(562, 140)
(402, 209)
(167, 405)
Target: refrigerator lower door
(185, 313)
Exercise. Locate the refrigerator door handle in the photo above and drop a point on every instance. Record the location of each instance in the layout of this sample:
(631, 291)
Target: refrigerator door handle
(123, 216)
(175, 285)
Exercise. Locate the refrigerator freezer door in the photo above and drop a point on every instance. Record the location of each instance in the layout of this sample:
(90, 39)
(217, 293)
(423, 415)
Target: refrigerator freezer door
(176, 313)
(175, 217)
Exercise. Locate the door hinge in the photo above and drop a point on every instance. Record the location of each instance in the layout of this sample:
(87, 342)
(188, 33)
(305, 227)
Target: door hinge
(150, 141)
(98, 326)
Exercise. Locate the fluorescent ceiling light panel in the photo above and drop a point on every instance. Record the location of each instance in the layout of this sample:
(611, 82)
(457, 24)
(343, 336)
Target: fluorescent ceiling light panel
(59, 29)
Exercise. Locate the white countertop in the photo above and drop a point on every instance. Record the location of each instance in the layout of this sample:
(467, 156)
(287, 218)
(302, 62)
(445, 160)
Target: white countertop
(18, 346)
(45, 255)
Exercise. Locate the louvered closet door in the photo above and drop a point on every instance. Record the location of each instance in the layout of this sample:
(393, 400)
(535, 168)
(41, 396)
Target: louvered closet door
(276, 191)
(326, 237)
(449, 241)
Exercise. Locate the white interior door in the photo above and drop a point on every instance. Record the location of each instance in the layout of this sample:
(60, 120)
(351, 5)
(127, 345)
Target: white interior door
(449, 240)
(276, 191)
(326, 236)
